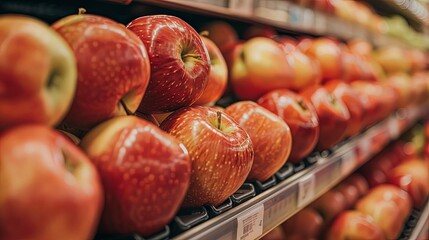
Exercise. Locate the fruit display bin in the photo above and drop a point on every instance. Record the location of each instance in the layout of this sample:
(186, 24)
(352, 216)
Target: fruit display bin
(258, 207)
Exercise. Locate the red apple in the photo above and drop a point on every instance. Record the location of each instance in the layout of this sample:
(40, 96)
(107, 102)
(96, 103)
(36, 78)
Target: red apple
(328, 53)
(360, 47)
(276, 234)
(37, 73)
(179, 62)
(270, 135)
(417, 59)
(113, 69)
(350, 193)
(413, 177)
(389, 206)
(148, 117)
(305, 70)
(259, 31)
(354, 225)
(221, 33)
(218, 75)
(352, 65)
(299, 115)
(370, 95)
(393, 59)
(359, 182)
(307, 223)
(144, 171)
(351, 99)
(221, 153)
(329, 205)
(47, 185)
(332, 113)
(402, 84)
(260, 67)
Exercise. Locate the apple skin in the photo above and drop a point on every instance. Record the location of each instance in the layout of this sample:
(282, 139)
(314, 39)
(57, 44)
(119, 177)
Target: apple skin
(57, 187)
(354, 105)
(260, 67)
(218, 76)
(369, 94)
(221, 153)
(307, 223)
(179, 62)
(305, 70)
(329, 205)
(110, 59)
(145, 173)
(354, 225)
(328, 53)
(37, 73)
(270, 136)
(359, 182)
(350, 193)
(389, 206)
(413, 177)
(332, 114)
(276, 234)
(221, 33)
(299, 115)
(259, 31)
(392, 59)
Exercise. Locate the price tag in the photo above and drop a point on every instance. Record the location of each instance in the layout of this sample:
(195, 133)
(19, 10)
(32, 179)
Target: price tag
(393, 128)
(250, 224)
(244, 6)
(348, 162)
(280, 205)
(306, 189)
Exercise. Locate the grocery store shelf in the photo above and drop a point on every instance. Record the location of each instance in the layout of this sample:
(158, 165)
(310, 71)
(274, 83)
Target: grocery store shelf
(412, 10)
(282, 15)
(261, 213)
(421, 229)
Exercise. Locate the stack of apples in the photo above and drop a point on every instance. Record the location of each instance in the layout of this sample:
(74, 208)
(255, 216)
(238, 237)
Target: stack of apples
(115, 124)
(80, 100)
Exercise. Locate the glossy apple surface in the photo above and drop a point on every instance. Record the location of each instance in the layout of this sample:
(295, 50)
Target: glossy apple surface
(299, 115)
(221, 33)
(389, 206)
(354, 225)
(413, 177)
(308, 223)
(113, 69)
(144, 171)
(328, 53)
(305, 70)
(351, 99)
(270, 135)
(221, 153)
(259, 68)
(359, 182)
(179, 62)
(332, 114)
(47, 184)
(218, 76)
(330, 205)
(369, 94)
(37, 73)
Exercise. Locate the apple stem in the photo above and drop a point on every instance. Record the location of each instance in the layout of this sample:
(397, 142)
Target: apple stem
(127, 111)
(194, 55)
(219, 119)
(81, 11)
(301, 104)
(204, 33)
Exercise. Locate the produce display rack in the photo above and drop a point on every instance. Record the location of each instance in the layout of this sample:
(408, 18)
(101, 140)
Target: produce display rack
(276, 204)
(256, 208)
(286, 16)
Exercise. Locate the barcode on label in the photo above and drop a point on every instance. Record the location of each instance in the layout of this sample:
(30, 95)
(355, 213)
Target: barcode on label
(250, 224)
(247, 228)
